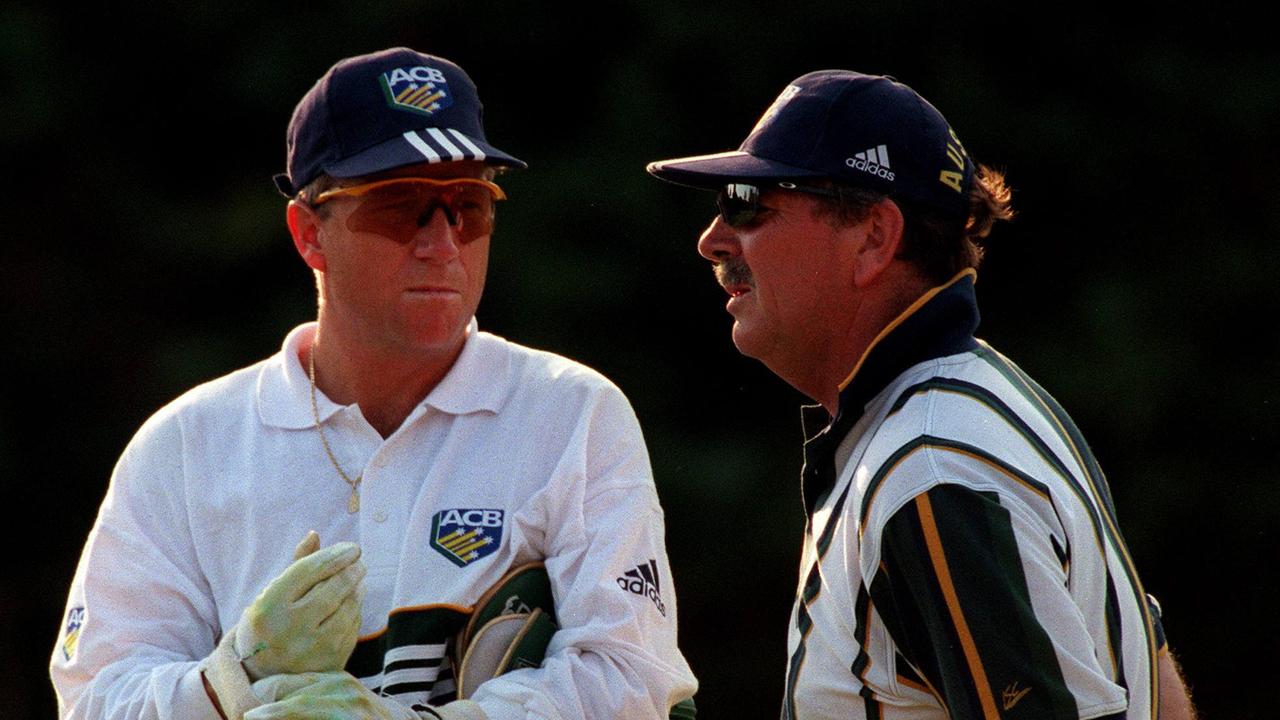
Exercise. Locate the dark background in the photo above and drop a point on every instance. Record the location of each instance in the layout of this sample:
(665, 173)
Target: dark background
(144, 251)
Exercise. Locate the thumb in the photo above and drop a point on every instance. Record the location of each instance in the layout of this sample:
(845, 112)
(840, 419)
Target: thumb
(309, 544)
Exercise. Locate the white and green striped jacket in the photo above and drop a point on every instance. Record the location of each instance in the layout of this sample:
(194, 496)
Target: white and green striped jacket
(962, 557)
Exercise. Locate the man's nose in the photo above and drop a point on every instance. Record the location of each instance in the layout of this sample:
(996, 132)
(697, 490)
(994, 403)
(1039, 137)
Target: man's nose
(437, 237)
(718, 241)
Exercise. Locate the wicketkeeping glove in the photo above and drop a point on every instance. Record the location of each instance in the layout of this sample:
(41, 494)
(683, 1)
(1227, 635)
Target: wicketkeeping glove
(339, 695)
(305, 620)
(510, 627)
(322, 695)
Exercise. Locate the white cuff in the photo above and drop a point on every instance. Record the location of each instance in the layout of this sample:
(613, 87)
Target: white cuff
(192, 701)
(228, 679)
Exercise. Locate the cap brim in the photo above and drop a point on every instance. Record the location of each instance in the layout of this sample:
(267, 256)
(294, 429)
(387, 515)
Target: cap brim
(432, 145)
(709, 172)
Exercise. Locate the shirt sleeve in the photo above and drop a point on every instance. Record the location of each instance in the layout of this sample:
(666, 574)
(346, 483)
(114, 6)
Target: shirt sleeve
(615, 654)
(975, 598)
(139, 615)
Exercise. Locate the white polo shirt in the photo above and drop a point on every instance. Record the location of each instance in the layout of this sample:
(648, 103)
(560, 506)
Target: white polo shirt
(517, 455)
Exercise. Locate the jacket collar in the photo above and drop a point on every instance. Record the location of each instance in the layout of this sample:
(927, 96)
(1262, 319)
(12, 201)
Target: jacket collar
(479, 381)
(940, 323)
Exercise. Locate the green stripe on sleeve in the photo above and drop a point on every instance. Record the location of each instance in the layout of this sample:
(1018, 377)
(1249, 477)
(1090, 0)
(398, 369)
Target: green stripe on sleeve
(961, 612)
(1072, 436)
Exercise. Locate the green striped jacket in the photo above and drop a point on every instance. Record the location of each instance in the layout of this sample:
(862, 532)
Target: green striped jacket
(962, 557)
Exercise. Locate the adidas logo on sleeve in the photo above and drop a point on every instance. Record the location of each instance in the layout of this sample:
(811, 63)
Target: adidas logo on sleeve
(643, 580)
(873, 160)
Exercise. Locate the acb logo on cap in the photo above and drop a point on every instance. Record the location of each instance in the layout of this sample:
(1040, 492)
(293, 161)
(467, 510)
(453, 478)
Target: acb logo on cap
(418, 89)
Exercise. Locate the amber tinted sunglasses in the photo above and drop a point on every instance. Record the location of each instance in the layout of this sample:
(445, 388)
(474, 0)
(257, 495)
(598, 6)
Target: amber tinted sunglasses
(398, 207)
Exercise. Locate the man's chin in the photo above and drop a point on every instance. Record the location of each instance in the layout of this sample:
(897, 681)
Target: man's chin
(435, 337)
(747, 342)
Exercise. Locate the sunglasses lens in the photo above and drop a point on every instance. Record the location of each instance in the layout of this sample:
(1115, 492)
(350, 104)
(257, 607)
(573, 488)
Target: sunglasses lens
(739, 204)
(399, 210)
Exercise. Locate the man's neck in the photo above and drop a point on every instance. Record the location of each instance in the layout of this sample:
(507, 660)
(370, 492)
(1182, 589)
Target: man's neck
(820, 375)
(827, 368)
(386, 385)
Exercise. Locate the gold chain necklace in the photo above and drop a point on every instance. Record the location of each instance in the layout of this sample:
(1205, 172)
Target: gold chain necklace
(353, 504)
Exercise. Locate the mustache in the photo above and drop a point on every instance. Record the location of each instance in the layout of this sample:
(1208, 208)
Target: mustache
(734, 271)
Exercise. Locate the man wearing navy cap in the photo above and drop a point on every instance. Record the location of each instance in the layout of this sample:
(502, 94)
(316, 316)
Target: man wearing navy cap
(431, 458)
(962, 557)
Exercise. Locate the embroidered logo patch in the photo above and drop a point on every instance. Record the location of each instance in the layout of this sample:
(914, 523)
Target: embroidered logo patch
(1012, 695)
(75, 618)
(643, 580)
(464, 535)
(419, 89)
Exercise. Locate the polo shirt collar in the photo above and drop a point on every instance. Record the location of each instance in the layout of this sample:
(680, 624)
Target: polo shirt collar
(479, 381)
(284, 391)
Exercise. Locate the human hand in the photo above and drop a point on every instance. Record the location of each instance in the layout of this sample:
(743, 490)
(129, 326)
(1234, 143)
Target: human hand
(307, 619)
(319, 696)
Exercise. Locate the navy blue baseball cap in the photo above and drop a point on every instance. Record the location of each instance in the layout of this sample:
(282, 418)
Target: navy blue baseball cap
(852, 129)
(383, 110)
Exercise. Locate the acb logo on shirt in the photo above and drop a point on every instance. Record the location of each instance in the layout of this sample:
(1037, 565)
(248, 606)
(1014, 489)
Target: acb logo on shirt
(420, 89)
(75, 618)
(464, 535)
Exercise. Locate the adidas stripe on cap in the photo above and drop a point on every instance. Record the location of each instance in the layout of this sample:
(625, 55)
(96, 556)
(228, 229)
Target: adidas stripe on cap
(437, 146)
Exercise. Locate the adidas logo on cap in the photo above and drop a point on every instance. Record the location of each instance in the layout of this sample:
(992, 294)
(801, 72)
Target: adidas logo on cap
(643, 580)
(874, 160)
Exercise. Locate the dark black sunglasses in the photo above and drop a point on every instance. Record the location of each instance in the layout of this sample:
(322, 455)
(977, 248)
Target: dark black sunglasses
(739, 203)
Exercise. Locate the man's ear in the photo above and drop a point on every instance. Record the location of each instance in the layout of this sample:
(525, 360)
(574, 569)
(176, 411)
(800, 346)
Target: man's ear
(304, 226)
(883, 237)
